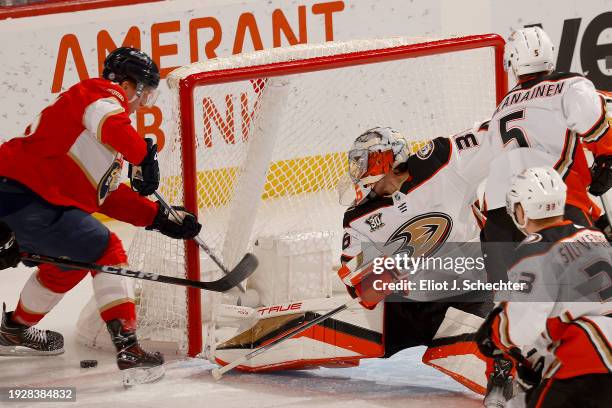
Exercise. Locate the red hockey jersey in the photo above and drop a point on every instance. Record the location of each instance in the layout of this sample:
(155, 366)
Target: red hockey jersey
(72, 154)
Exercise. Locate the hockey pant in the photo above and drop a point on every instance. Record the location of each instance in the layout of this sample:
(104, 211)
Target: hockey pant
(447, 328)
(500, 236)
(47, 229)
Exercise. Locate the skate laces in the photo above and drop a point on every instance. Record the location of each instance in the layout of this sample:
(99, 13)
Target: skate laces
(36, 335)
(138, 349)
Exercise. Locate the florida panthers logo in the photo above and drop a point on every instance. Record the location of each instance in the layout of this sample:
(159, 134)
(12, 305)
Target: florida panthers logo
(110, 180)
(422, 235)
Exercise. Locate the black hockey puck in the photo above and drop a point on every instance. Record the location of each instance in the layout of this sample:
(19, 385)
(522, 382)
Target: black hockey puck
(89, 363)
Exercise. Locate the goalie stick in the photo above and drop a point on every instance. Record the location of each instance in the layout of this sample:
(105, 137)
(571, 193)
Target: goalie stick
(224, 284)
(247, 264)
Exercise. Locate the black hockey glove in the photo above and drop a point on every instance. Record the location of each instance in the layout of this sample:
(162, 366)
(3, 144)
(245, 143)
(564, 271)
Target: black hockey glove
(145, 177)
(185, 227)
(530, 375)
(9, 249)
(483, 336)
(601, 175)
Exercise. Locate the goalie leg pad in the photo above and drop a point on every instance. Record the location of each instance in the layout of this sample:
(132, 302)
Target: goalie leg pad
(453, 349)
(448, 332)
(339, 341)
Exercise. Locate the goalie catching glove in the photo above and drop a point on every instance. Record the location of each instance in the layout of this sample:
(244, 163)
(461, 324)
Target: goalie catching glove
(9, 250)
(186, 226)
(601, 175)
(369, 286)
(145, 177)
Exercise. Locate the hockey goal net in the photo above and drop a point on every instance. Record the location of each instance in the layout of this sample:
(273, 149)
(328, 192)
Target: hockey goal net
(260, 142)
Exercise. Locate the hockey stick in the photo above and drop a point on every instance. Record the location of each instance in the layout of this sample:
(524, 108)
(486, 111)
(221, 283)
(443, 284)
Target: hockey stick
(247, 264)
(221, 285)
(218, 372)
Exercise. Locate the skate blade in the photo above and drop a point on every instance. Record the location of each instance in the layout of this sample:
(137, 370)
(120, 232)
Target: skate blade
(139, 375)
(21, 351)
(495, 398)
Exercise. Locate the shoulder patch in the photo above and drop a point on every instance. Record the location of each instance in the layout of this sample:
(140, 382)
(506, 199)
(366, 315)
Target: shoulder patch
(367, 207)
(422, 168)
(424, 152)
(375, 221)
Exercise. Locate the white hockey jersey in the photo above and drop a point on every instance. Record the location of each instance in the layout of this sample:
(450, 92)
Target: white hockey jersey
(565, 306)
(429, 211)
(554, 114)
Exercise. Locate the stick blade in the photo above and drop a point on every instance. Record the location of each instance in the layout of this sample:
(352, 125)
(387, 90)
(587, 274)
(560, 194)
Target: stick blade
(216, 374)
(245, 268)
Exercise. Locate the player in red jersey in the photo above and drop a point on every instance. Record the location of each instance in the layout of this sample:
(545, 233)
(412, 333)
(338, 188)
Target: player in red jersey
(66, 166)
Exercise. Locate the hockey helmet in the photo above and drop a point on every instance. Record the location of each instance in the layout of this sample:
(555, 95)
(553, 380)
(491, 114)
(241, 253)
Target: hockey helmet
(373, 154)
(126, 63)
(541, 193)
(528, 51)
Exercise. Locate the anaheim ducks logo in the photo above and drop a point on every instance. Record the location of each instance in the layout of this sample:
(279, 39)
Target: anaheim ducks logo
(421, 235)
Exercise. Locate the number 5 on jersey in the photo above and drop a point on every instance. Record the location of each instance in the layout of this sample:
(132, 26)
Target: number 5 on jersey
(513, 132)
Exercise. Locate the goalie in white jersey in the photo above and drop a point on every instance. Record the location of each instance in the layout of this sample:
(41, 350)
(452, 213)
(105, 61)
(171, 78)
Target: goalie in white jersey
(424, 208)
(556, 114)
(418, 204)
(562, 319)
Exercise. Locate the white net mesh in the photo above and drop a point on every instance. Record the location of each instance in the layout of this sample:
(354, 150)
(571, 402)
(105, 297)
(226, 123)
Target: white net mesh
(270, 151)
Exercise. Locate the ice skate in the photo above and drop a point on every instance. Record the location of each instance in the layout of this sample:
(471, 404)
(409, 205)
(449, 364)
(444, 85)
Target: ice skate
(137, 365)
(21, 340)
(500, 387)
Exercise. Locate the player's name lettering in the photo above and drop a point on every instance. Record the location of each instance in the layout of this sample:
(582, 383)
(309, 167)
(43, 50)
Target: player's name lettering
(459, 285)
(571, 251)
(545, 90)
(127, 272)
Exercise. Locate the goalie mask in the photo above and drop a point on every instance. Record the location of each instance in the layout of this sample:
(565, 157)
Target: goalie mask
(541, 193)
(373, 154)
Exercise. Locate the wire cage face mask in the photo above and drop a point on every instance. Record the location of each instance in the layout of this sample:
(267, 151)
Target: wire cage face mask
(357, 164)
(371, 157)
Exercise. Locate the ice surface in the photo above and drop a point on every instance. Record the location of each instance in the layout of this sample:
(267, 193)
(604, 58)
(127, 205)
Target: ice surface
(401, 381)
